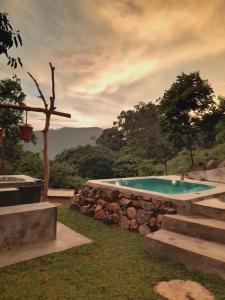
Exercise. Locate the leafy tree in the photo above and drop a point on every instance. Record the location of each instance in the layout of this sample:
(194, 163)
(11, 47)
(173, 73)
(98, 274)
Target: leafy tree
(89, 161)
(10, 92)
(126, 166)
(183, 106)
(111, 138)
(9, 38)
(61, 176)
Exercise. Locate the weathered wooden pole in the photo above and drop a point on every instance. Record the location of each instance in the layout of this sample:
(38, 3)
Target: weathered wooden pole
(48, 112)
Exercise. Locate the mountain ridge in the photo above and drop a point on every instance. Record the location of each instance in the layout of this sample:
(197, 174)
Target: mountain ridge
(64, 138)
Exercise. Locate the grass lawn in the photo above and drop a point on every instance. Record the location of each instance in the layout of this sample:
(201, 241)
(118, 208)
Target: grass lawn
(115, 266)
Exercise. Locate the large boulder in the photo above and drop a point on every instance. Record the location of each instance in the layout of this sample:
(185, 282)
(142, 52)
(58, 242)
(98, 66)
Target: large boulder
(131, 212)
(142, 216)
(144, 229)
(113, 207)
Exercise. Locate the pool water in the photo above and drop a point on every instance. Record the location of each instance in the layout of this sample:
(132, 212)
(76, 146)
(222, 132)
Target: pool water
(159, 185)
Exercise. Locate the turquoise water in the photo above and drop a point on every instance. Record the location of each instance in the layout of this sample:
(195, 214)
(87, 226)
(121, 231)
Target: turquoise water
(164, 186)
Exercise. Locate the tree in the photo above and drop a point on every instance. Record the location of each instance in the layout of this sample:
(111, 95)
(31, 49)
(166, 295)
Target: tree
(111, 138)
(183, 106)
(126, 166)
(9, 38)
(11, 93)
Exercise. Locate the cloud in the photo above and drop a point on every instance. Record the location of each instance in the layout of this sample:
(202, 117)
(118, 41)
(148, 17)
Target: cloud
(109, 55)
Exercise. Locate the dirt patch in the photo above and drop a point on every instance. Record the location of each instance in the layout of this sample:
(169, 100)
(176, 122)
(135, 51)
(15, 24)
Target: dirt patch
(183, 290)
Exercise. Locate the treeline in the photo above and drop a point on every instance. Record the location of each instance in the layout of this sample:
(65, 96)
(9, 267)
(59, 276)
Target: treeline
(187, 117)
(182, 130)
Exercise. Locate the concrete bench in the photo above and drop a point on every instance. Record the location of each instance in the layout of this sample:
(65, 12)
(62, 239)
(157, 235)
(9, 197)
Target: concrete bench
(27, 224)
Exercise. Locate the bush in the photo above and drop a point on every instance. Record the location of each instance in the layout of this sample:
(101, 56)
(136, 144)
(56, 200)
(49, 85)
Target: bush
(126, 166)
(147, 168)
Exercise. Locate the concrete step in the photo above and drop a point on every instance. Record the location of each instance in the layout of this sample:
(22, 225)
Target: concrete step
(212, 208)
(195, 226)
(196, 254)
(27, 224)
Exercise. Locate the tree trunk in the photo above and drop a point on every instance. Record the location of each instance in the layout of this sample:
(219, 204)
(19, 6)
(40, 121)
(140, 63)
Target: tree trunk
(190, 150)
(45, 154)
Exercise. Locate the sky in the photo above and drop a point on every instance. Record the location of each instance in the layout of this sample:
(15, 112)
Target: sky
(111, 54)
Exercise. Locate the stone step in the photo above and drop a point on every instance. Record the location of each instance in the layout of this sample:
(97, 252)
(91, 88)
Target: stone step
(195, 226)
(212, 208)
(196, 254)
(27, 224)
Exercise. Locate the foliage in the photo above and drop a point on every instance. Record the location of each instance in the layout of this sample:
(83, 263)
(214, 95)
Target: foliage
(111, 138)
(10, 93)
(183, 106)
(9, 38)
(147, 168)
(125, 166)
(29, 164)
(89, 161)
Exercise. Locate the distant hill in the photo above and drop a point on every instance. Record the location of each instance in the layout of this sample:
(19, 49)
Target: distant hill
(64, 138)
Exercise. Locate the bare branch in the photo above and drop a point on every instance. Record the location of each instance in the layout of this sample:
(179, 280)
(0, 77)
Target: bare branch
(52, 98)
(39, 90)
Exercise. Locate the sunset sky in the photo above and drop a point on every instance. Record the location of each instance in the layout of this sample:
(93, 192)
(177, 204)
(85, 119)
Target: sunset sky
(111, 54)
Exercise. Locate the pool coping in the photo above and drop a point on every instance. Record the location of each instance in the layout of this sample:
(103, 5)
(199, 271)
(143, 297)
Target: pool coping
(216, 191)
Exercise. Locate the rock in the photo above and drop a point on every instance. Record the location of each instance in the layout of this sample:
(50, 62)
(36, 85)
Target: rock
(133, 225)
(115, 218)
(124, 222)
(167, 210)
(121, 212)
(124, 202)
(113, 207)
(147, 205)
(211, 164)
(159, 219)
(136, 203)
(183, 290)
(114, 195)
(142, 216)
(102, 203)
(153, 224)
(131, 212)
(100, 215)
(90, 212)
(90, 200)
(144, 229)
(76, 198)
(98, 207)
(222, 164)
(83, 209)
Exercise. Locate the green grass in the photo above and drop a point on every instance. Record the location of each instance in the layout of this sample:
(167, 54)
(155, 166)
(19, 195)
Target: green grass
(114, 266)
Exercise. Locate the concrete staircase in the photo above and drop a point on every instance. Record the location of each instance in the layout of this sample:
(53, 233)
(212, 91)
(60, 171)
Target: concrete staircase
(197, 240)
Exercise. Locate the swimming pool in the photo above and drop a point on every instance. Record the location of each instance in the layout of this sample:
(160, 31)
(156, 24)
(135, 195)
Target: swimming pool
(165, 186)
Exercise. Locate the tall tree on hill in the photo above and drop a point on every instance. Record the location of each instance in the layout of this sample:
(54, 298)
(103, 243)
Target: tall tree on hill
(183, 107)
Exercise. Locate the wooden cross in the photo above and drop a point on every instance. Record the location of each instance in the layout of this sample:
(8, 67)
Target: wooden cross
(48, 110)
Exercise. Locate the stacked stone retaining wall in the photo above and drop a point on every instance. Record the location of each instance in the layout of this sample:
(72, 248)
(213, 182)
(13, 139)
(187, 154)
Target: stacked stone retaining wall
(129, 212)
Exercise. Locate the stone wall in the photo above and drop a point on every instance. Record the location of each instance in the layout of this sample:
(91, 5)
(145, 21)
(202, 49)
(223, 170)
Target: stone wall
(130, 212)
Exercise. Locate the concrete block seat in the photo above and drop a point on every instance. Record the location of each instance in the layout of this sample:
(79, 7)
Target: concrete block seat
(31, 230)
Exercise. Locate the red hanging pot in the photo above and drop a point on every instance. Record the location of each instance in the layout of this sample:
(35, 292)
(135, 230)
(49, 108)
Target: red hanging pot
(25, 132)
(1, 135)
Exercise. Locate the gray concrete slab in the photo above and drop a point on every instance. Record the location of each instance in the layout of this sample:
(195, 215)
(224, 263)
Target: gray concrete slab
(66, 239)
